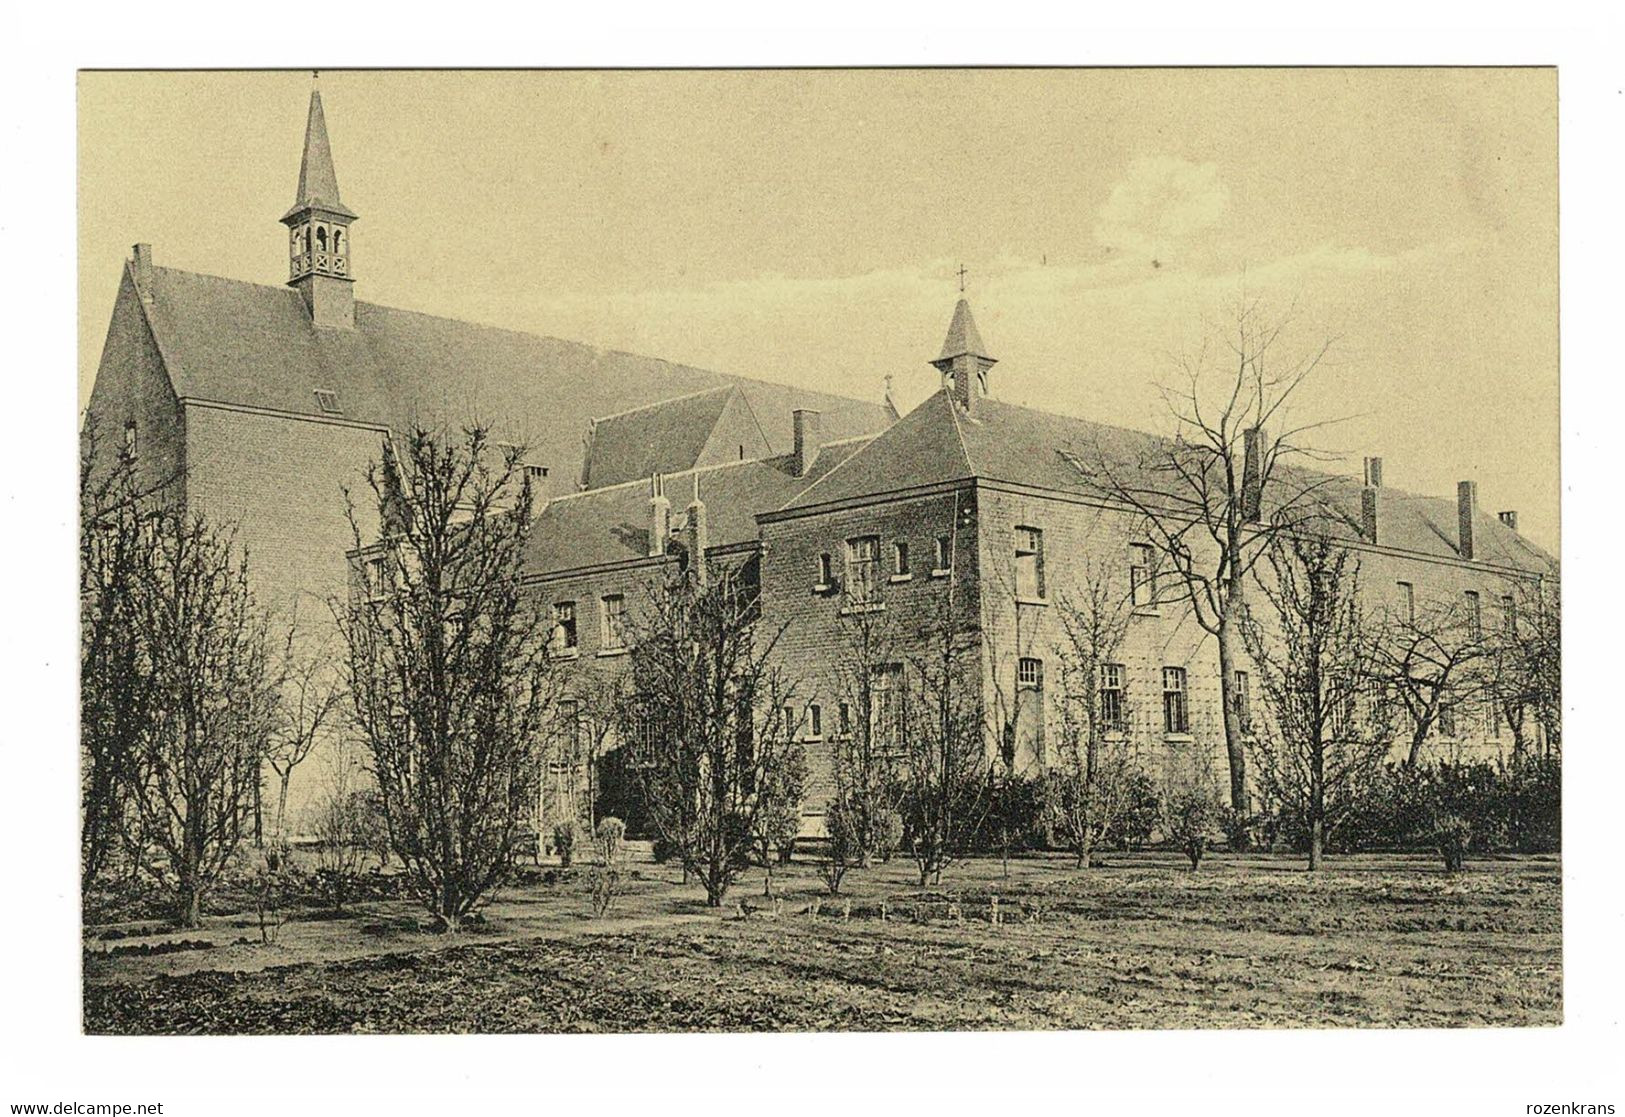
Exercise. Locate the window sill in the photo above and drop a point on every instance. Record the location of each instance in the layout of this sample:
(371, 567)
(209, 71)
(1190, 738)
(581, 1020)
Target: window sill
(895, 578)
(567, 653)
(1178, 738)
(1114, 736)
(609, 652)
(940, 573)
(822, 588)
(1147, 611)
(1038, 601)
(862, 607)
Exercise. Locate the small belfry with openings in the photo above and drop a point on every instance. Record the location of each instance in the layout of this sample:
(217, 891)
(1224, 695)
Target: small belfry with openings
(319, 231)
(964, 362)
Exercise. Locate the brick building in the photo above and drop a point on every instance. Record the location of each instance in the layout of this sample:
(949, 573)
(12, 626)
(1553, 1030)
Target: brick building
(268, 402)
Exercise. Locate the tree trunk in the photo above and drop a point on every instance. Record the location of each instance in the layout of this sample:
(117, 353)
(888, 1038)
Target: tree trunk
(1316, 840)
(1233, 742)
(189, 902)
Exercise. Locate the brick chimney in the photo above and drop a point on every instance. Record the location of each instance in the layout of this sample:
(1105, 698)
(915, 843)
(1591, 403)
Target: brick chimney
(659, 516)
(809, 440)
(1466, 509)
(1368, 514)
(1252, 474)
(141, 268)
(699, 534)
(1368, 499)
(1510, 519)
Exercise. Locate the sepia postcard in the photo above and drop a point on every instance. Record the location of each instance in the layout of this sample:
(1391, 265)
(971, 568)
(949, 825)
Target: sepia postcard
(864, 550)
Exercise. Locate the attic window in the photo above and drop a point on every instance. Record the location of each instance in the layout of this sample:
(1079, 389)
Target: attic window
(328, 401)
(535, 472)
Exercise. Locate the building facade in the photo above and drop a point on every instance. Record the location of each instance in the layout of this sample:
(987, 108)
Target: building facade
(266, 404)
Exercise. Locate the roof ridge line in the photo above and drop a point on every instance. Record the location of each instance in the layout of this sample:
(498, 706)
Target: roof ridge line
(668, 400)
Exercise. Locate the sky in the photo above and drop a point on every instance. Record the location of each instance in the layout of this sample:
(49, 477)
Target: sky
(807, 227)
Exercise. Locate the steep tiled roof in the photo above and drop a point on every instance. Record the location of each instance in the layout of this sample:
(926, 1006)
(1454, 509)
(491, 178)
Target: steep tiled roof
(669, 436)
(611, 524)
(253, 345)
(935, 443)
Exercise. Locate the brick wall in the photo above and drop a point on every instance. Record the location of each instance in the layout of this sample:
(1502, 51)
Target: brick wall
(132, 386)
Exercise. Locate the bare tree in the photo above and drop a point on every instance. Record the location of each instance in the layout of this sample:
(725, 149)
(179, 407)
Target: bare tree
(310, 702)
(1212, 498)
(864, 746)
(1327, 727)
(447, 667)
(1525, 655)
(1089, 788)
(946, 776)
(1432, 660)
(115, 676)
(197, 758)
(711, 722)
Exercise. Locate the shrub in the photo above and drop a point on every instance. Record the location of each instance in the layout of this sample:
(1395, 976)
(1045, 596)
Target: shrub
(662, 850)
(1452, 834)
(611, 836)
(564, 841)
(1132, 828)
(843, 846)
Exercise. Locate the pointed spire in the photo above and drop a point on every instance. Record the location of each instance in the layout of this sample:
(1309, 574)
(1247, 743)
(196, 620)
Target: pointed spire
(964, 362)
(318, 182)
(963, 337)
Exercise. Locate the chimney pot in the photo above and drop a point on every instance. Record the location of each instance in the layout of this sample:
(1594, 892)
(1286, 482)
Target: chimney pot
(808, 441)
(1373, 473)
(1466, 509)
(1510, 519)
(699, 537)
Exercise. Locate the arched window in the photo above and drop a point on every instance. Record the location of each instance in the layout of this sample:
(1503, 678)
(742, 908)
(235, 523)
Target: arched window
(338, 238)
(321, 238)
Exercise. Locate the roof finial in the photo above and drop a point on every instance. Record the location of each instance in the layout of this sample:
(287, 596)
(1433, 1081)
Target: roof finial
(961, 274)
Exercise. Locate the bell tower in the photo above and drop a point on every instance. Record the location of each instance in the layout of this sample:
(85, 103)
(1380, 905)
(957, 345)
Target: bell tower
(964, 362)
(319, 232)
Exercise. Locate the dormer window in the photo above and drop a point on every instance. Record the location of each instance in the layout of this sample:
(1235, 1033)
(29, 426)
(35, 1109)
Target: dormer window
(328, 401)
(535, 472)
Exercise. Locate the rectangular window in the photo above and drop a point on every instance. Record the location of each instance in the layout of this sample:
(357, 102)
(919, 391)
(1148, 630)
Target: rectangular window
(1029, 672)
(1244, 701)
(862, 567)
(846, 719)
(129, 440)
(1407, 602)
(564, 625)
(1142, 589)
(826, 570)
(886, 707)
(1475, 615)
(1175, 708)
(1029, 563)
(815, 721)
(328, 401)
(1111, 697)
(613, 627)
(569, 728)
(792, 726)
(1509, 615)
(375, 576)
(944, 556)
(536, 473)
(899, 558)
(1447, 719)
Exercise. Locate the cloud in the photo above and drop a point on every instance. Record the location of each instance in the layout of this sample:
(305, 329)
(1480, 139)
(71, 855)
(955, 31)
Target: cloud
(1161, 206)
